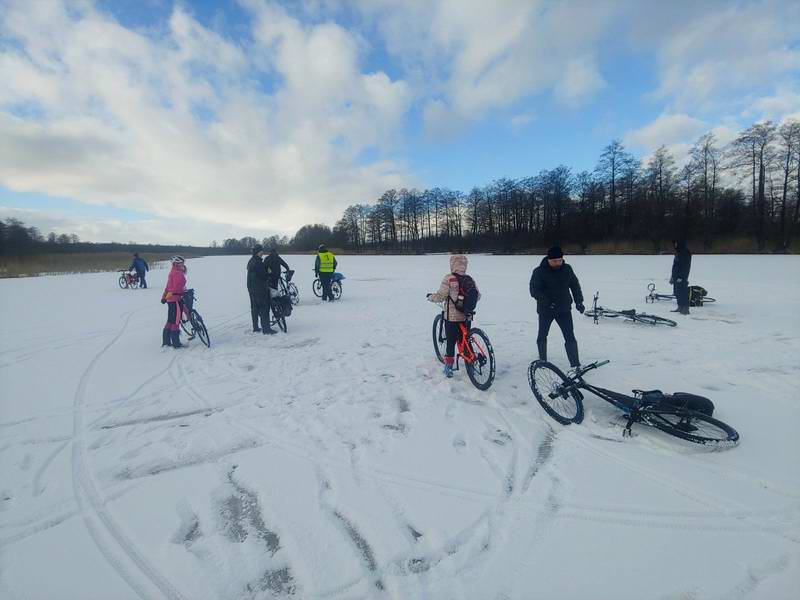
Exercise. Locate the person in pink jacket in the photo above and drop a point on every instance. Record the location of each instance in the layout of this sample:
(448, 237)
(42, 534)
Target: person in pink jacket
(448, 295)
(173, 298)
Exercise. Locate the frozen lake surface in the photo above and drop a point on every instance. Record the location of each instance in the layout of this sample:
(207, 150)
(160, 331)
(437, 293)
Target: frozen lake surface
(336, 462)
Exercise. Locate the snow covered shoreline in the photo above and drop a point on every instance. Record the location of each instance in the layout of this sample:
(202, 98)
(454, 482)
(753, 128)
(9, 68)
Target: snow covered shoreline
(335, 461)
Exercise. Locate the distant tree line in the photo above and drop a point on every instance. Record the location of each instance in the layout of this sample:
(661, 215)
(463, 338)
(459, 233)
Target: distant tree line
(750, 188)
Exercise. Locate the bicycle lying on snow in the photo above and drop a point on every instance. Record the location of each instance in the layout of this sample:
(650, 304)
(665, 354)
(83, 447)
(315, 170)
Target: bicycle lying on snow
(191, 321)
(697, 295)
(473, 347)
(682, 415)
(597, 312)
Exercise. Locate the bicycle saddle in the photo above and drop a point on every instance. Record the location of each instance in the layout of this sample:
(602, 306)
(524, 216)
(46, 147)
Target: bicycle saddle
(647, 392)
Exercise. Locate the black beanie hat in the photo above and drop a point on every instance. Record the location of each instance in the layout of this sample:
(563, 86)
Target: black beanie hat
(555, 252)
(258, 248)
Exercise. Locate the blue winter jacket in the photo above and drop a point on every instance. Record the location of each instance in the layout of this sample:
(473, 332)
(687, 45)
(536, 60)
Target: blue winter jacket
(139, 264)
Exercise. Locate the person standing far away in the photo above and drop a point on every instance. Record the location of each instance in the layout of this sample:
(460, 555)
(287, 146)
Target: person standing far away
(173, 298)
(681, 265)
(551, 284)
(141, 267)
(324, 267)
(257, 289)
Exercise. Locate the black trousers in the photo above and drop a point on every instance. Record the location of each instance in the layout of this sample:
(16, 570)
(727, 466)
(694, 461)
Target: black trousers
(681, 291)
(142, 282)
(325, 279)
(259, 307)
(453, 332)
(564, 320)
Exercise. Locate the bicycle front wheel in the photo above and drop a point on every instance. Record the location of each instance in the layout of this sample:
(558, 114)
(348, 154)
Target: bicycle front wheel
(439, 338)
(481, 370)
(317, 288)
(280, 318)
(547, 384)
(689, 425)
(294, 294)
(123, 281)
(654, 320)
(200, 328)
(336, 290)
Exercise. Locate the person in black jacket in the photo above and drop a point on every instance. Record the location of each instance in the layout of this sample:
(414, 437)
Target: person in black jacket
(681, 265)
(257, 288)
(551, 284)
(273, 263)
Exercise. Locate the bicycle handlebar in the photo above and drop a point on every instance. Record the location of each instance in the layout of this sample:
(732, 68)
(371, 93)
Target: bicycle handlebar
(587, 368)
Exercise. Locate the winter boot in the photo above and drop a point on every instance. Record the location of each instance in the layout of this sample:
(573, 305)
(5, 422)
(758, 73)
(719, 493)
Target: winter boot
(268, 331)
(448, 366)
(684, 310)
(175, 335)
(165, 338)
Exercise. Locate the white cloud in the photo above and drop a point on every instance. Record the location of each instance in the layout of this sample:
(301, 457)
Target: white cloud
(175, 124)
(581, 81)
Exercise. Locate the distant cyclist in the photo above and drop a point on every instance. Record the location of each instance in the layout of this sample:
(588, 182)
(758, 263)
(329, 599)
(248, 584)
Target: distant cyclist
(173, 298)
(450, 296)
(324, 266)
(141, 267)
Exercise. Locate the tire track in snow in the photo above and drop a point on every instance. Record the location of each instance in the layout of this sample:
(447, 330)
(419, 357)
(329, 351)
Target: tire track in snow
(98, 519)
(38, 488)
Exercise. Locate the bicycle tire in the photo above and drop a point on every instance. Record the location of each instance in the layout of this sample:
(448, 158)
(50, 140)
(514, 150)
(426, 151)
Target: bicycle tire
(654, 320)
(482, 370)
(336, 290)
(280, 318)
(683, 424)
(544, 378)
(200, 328)
(123, 282)
(316, 287)
(294, 293)
(439, 338)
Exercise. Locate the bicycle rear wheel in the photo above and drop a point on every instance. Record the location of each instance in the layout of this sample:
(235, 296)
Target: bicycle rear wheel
(547, 382)
(200, 328)
(689, 425)
(317, 288)
(439, 338)
(123, 281)
(654, 320)
(336, 290)
(481, 371)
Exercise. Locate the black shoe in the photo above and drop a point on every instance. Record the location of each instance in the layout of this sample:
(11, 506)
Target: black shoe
(175, 335)
(256, 329)
(165, 338)
(269, 331)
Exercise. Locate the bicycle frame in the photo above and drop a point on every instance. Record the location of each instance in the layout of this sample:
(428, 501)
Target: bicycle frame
(464, 348)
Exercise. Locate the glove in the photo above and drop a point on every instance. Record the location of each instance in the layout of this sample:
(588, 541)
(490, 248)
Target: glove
(428, 296)
(671, 281)
(580, 307)
(163, 300)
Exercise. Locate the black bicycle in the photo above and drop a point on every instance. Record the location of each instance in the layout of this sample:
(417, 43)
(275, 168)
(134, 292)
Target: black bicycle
(336, 286)
(191, 321)
(473, 347)
(597, 312)
(697, 295)
(288, 287)
(680, 414)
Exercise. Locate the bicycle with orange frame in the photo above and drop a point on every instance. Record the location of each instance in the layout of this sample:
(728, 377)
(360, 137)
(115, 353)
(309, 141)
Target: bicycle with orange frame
(473, 347)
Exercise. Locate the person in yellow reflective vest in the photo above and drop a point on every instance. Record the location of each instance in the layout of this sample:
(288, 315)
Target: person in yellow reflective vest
(324, 267)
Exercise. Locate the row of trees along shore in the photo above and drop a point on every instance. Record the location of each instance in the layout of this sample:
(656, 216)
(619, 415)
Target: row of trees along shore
(748, 191)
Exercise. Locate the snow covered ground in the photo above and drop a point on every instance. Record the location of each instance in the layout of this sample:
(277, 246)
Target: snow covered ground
(335, 461)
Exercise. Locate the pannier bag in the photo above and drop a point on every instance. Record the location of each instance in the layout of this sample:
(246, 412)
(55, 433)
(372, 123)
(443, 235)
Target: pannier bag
(696, 295)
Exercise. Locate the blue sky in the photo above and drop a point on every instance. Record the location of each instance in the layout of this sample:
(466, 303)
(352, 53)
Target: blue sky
(160, 121)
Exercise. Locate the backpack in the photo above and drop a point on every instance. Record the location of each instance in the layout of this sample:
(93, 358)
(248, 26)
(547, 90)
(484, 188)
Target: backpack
(696, 295)
(467, 294)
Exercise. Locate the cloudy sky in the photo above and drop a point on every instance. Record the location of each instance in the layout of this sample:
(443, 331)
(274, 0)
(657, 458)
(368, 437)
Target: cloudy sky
(164, 121)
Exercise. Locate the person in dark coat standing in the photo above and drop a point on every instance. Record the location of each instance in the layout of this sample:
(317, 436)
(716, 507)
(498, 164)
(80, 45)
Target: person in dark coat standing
(257, 288)
(273, 263)
(551, 284)
(681, 265)
(141, 267)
